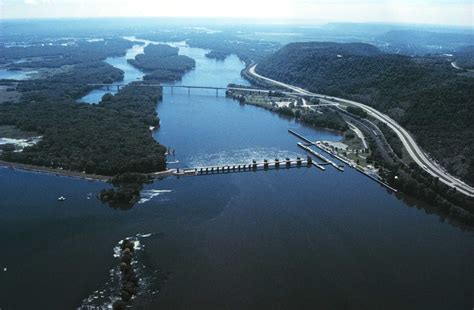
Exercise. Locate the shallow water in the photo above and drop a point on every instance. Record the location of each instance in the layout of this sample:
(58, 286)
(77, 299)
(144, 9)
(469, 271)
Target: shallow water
(285, 239)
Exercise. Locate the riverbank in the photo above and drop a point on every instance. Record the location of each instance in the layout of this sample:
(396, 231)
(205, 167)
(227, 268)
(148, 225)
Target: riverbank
(412, 180)
(54, 171)
(293, 107)
(80, 175)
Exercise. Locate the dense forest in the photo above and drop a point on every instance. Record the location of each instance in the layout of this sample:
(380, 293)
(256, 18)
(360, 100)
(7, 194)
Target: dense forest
(163, 63)
(217, 54)
(326, 118)
(109, 138)
(220, 44)
(58, 54)
(70, 84)
(425, 95)
(126, 189)
(465, 57)
(163, 76)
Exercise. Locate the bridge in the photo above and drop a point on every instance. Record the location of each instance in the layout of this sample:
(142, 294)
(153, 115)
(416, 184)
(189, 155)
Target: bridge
(188, 87)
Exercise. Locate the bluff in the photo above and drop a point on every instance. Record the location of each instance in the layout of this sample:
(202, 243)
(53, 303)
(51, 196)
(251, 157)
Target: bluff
(434, 101)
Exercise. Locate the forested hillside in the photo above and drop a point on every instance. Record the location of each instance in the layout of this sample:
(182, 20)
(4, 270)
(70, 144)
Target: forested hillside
(426, 95)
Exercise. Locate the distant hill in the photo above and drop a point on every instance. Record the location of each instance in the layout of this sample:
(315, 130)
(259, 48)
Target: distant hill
(427, 37)
(425, 95)
(317, 49)
(418, 42)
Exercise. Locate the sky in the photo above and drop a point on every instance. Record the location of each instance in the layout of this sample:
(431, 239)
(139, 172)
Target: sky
(444, 12)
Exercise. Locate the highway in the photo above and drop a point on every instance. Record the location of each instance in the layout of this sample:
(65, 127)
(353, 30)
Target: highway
(455, 66)
(409, 143)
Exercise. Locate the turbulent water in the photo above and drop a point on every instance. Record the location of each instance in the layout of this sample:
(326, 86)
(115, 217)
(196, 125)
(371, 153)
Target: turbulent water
(297, 238)
(149, 279)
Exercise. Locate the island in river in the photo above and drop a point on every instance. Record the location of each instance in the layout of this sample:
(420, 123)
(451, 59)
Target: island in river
(208, 241)
(162, 63)
(93, 141)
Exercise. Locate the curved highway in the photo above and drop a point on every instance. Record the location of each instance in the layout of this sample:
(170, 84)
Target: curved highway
(409, 143)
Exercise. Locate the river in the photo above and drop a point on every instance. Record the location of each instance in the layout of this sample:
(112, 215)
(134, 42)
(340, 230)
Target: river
(285, 239)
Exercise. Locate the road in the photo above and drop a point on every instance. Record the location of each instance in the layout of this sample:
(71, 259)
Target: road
(415, 152)
(359, 134)
(455, 66)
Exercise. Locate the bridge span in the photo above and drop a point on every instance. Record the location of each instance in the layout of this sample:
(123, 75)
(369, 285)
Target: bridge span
(188, 87)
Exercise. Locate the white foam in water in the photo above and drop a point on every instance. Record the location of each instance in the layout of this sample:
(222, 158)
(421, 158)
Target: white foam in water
(137, 245)
(148, 195)
(105, 297)
(241, 156)
(117, 251)
(143, 235)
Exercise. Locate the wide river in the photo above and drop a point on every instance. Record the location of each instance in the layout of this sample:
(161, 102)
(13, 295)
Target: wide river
(286, 239)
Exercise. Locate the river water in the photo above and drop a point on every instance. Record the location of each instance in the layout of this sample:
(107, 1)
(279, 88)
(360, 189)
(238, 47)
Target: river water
(131, 73)
(286, 239)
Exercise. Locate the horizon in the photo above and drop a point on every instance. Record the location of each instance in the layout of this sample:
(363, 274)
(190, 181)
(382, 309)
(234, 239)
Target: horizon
(221, 21)
(421, 12)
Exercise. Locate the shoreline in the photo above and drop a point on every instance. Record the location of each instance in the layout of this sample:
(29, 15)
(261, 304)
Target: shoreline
(54, 171)
(76, 174)
(280, 114)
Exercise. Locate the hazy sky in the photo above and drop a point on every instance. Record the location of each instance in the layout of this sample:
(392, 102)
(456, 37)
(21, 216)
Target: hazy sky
(455, 12)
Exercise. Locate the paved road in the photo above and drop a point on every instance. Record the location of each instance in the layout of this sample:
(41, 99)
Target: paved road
(409, 143)
(455, 66)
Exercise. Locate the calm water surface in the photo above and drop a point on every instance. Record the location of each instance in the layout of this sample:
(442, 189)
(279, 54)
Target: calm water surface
(131, 73)
(286, 239)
